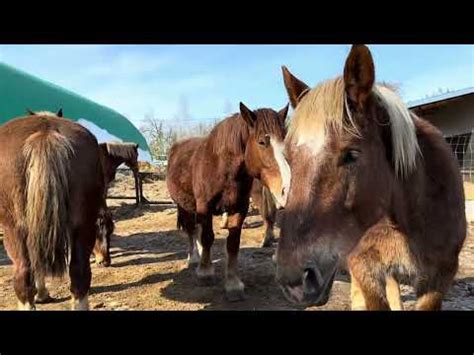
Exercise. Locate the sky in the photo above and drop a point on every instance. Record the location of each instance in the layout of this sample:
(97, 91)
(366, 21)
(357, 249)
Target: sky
(207, 82)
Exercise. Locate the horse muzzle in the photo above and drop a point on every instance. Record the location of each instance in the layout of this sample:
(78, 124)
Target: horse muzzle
(312, 288)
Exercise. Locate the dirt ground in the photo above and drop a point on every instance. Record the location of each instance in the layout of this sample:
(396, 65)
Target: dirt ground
(469, 190)
(149, 270)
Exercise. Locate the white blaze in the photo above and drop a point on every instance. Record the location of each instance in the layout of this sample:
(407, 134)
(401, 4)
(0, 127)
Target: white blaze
(285, 172)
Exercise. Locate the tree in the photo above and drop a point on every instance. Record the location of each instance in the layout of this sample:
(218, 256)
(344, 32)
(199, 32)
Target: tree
(160, 138)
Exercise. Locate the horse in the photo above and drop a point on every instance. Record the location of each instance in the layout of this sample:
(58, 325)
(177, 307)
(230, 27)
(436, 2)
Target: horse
(211, 175)
(50, 200)
(262, 198)
(374, 187)
(105, 223)
(115, 154)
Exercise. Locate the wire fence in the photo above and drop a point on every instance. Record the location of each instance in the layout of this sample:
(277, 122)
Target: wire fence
(463, 147)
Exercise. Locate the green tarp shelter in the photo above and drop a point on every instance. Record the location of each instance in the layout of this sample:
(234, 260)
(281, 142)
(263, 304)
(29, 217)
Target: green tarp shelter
(19, 91)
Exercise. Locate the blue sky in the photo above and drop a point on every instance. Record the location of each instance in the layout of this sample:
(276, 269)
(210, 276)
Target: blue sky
(209, 81)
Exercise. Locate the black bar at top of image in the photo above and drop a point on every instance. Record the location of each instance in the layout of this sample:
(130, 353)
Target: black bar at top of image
(235, 37)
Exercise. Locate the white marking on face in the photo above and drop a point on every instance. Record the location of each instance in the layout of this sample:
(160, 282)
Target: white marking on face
(285, 172)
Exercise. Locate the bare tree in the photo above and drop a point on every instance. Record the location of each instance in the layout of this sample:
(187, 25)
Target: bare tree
(160, 138)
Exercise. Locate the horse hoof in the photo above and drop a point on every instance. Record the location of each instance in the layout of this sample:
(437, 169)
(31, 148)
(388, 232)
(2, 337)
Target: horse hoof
(206, 276)
(234, 290)
(235, 295)
(208, 280)
(103, 264)
(192, 264)
(267, 243)
(44, 300)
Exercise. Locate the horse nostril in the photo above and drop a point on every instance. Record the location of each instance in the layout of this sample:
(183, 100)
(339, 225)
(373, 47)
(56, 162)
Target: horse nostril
(311, 285)
(283, 190)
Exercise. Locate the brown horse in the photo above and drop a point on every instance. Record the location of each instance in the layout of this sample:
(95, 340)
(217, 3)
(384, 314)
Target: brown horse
(115, 154)
(51, 193)
(211, 175)
(262, 198)
(105, 223)
(372, 185)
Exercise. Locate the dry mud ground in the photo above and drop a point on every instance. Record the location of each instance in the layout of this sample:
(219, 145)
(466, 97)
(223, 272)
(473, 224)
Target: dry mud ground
(149, 270)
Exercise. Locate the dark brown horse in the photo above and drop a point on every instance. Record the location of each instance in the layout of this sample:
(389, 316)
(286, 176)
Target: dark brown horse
(51, 193)
(115, 154)
(373, 185)
(211, 175)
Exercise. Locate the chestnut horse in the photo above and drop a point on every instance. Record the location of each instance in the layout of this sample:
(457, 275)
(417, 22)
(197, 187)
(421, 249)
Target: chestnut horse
(211, 175)
(373, 185)
(50, 198)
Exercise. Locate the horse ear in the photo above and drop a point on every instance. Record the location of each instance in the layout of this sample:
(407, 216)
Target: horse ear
(282, 114)
(248, 115)
(30, 112)
(136, 145)
(359, 75)
(60, 113)
(296, 88)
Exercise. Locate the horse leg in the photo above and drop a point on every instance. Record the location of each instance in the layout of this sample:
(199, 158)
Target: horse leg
(269, 235)
(357, 297)
(268, 212)
(42, 293)
(365, 282)
(205, 269)
(79, 267)
(105, 226)
(23, 285)
(234, 287)
(138, 192)
(23, 280)
(392, 289)
(431, 288)
(195, 247)
(225, 220)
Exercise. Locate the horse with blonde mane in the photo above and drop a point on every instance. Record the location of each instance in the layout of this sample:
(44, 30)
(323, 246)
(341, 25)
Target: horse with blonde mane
(373, 186)
(50, 200)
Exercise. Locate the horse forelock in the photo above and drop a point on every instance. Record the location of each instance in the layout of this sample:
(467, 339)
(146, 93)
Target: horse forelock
(325, 107)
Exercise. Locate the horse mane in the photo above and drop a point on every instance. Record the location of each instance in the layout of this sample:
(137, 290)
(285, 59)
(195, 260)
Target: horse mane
(126, 151)
(325, 107)
(45, 113)
(231, 134)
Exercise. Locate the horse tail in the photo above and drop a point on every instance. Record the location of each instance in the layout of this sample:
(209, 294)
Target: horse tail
(46, 210)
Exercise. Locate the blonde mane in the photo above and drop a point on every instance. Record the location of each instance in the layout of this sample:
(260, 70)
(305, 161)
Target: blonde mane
(324, 106)
(45, 113)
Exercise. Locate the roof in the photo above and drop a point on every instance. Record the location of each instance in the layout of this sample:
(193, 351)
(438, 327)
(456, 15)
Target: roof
(20, 91)
(441, 97)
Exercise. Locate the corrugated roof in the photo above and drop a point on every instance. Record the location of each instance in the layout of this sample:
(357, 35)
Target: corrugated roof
(441, 97)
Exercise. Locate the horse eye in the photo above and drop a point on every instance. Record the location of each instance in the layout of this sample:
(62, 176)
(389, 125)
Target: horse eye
(265, 141)
(350, 156)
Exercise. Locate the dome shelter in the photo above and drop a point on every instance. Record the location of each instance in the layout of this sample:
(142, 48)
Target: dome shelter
(20, 91)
